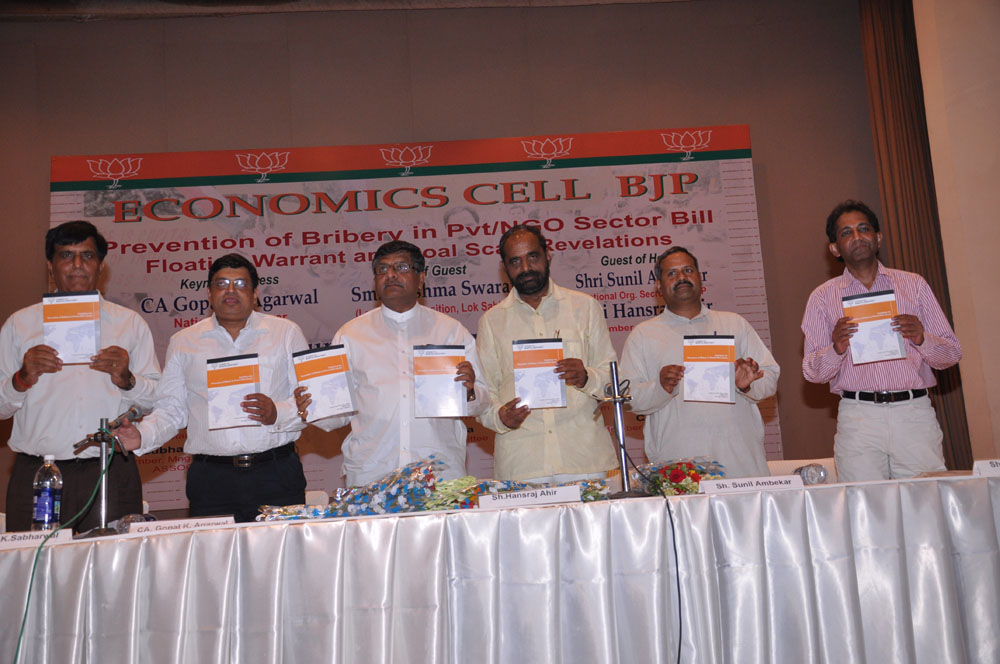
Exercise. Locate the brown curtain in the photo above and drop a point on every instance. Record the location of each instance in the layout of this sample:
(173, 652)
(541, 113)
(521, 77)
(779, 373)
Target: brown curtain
(912, 232)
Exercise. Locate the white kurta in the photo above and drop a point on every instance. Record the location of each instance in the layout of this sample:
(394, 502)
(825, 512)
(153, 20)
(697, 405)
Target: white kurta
(732, 434)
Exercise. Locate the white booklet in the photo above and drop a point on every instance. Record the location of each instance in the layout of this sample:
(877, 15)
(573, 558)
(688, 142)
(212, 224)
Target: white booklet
(326, 375)
(436, 394)
(71, 324)
(535, 380)
(875, 339)
(709, 369)
(230, 380)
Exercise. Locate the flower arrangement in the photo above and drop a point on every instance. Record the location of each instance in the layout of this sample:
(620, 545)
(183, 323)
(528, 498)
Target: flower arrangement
(405, 489)
(677, 478)
(414, 488)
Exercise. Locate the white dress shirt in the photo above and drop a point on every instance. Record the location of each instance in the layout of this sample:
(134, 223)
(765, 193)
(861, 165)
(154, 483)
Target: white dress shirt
(732, 434)
(385, 434)
(62, 408)
(182, 393)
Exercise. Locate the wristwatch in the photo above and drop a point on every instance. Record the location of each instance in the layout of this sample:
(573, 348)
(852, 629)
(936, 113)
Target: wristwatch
(131, 383)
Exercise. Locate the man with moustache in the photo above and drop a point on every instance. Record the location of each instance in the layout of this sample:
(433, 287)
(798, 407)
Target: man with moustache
(385, 433)
(886, 425)
(653, 360)
(54, 405)
(233, 470)
(550, 444)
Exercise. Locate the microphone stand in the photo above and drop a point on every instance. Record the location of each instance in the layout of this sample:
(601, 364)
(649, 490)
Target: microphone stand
(104, 437)
(618, 399)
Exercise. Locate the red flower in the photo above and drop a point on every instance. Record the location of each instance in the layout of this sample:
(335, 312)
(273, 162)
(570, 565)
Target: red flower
(677, 475)
(696, 477)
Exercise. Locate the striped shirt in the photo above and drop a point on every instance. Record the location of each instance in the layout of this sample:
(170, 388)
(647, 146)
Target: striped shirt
(821, 363)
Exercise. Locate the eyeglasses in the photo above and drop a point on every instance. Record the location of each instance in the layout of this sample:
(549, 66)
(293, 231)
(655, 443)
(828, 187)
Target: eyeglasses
(398, 268)
(223, 283)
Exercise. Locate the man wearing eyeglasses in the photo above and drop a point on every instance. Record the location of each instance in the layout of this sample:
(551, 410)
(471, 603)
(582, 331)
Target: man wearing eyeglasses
(234, 470)
(54, 404)
(385, 433)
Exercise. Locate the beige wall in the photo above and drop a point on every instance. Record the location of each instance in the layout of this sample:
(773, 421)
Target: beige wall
(960, 68)
(792, 70)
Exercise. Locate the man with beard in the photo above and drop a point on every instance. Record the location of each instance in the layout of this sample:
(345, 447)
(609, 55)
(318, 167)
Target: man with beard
(385, 432)
(653, 360)
(886, 425)
(552, 444)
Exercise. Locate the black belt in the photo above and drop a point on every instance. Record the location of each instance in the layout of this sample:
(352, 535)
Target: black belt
(249, 460)
(40, 460)
(885, 397)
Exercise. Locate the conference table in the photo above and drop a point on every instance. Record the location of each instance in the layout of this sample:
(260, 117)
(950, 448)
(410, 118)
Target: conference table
(895, 571)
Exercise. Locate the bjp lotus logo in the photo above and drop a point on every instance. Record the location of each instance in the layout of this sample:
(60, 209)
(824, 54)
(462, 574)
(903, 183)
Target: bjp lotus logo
(407, 157)
(687, 141)
(548, 149)
(115, 169)
(263, 163)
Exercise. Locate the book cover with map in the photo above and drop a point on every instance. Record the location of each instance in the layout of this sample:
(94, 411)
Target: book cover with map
(436, 394)
(535, 381)
(230, 380)
(71, 324)
(326, 375)
(875, 340)
(709, 369)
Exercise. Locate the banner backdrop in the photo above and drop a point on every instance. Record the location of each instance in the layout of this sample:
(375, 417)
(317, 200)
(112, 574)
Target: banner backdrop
(310, 219)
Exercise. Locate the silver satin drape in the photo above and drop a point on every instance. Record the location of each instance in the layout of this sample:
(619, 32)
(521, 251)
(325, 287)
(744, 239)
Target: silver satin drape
(876, 572)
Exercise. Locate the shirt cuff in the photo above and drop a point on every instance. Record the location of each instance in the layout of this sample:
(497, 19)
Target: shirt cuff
(498, 425)
(10, 395)
(593, 386)
(287, 419)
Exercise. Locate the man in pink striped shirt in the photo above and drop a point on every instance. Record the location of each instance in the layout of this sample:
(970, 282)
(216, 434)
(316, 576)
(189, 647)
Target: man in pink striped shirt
(886, 425)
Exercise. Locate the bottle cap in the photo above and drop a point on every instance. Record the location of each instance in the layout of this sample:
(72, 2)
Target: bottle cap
(49, 457)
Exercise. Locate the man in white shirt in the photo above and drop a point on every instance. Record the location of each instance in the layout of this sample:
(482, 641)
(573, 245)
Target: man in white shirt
(653, 361)
(55, 405)
(234, 470)
(549, 444)
(385, 433)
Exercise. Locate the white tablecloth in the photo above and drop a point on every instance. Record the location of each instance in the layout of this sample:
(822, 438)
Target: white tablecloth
(875, 572)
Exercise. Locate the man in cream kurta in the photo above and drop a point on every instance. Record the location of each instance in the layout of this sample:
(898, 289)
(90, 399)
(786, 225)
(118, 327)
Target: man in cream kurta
(653, 359)
(550, 443)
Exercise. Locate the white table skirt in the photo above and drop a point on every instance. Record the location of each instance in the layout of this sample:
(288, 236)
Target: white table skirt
(875, 572)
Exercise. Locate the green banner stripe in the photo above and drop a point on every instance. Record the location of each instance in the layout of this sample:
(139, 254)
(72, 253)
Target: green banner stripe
(394, 172)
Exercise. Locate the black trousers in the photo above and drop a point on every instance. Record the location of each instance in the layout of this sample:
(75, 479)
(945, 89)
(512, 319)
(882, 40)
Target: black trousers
(216, 489)
(79, 479)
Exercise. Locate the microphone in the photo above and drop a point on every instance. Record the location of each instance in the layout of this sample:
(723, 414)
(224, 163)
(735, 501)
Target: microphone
(132, 414)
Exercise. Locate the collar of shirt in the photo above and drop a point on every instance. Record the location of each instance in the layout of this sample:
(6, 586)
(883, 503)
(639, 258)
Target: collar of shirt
(399, 317)
(555, 293)
(882, 281)
(668, 315)
(252, 327)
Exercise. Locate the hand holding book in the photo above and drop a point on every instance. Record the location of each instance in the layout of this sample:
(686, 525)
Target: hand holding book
(910, 327)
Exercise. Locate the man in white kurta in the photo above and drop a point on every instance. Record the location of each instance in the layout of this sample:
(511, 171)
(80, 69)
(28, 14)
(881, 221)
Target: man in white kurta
(385, 433)
(653, 359)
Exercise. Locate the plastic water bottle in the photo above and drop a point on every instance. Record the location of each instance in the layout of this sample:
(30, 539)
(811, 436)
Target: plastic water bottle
(48, 496)
(812, 473)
